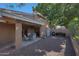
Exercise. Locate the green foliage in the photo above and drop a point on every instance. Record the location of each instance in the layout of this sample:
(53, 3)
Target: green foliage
(53, 12)
(73, 26)
(65, 14)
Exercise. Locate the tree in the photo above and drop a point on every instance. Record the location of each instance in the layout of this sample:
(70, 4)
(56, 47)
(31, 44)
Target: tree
(61, 14)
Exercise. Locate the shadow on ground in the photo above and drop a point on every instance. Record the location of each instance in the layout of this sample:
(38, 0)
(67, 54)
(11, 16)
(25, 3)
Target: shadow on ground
(41, 47)
(69, 50)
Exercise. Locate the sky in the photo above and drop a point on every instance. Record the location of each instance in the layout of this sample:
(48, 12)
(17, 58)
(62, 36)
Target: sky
(27, 8)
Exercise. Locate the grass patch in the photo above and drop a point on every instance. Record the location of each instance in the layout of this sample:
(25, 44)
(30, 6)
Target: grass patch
(76, 37)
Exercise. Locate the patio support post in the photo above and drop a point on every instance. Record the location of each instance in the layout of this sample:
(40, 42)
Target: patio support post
(41, 31)
(18, 35)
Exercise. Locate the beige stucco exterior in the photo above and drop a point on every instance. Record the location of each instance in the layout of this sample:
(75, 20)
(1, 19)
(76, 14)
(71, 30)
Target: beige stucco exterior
(7, 33)
(18, 35)
(11, 28)
(12, 33)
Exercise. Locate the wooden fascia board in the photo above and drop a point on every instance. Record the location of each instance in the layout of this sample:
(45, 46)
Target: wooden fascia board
(3, 21)
(23, 19)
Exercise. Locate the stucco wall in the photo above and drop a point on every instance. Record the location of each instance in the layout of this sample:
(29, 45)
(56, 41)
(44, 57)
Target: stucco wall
(44, 30)
(7, 33)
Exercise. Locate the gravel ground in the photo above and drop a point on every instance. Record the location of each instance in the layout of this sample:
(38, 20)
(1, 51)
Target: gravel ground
(53, 46)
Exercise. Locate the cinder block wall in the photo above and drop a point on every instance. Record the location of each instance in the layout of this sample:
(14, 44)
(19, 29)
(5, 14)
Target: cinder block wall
(7, 33)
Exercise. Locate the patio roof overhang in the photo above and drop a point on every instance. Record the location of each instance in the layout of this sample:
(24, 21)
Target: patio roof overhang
(19, 17)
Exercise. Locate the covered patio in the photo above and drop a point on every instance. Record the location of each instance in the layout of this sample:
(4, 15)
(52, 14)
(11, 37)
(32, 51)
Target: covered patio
(20, 31)
(17, 33)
